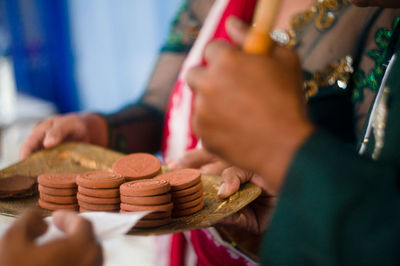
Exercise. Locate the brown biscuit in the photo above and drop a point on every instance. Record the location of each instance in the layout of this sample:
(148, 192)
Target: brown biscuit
(150, 200)
(146, 187)
(85, 210)
(188, 211)
(190, 197)
(153, 215)
(57, 191)
(137, 166)
(99, 179)
(54, 206)
(145, 223)
(98, 207)
(189, 204)
(95, 200)
(17, 187)
(58, 180)
(181, 179)
(58, 199)
(100, 192)
(187, 191)
(130, 207)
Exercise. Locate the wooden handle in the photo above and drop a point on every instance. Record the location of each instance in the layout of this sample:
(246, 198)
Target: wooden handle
(258, 41)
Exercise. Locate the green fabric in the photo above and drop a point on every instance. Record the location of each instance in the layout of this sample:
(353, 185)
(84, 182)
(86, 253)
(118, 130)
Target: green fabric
(337, 208)
(184, 30)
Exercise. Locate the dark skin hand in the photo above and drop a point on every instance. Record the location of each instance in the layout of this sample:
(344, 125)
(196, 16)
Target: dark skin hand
(253, 218)
(266, 122)
(79, 247)
(89, 128)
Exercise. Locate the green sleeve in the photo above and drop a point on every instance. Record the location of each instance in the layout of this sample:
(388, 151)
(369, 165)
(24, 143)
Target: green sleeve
(335, 208)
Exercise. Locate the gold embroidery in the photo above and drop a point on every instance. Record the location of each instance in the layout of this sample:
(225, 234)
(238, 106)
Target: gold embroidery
(321, 12)
(338, 73)
(379, 124)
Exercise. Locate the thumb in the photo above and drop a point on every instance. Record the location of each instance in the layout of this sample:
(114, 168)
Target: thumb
(232, 178)
(28, 226)
(237, 30)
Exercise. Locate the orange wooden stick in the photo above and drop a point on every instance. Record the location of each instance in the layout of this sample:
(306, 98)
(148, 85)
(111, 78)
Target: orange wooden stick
(258, 41)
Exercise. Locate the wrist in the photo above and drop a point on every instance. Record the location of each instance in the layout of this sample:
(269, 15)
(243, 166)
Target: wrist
(97, 128)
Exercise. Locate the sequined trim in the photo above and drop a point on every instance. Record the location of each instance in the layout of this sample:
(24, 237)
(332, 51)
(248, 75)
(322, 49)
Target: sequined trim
(380, 56)
(336, 74)
(322, 13)
(379, 123)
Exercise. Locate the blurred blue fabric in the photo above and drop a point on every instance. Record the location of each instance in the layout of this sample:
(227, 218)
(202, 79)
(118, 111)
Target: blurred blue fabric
(86, 55)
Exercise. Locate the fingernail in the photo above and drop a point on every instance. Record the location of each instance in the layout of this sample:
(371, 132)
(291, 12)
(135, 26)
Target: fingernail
(222, 190)
(49, 140)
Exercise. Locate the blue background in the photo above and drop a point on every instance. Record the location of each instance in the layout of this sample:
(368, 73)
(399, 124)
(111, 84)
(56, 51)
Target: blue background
(85, 54)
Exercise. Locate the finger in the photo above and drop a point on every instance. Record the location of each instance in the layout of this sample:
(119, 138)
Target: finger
(195, 158)
(35, 141)
(218, 50)
(237, 30)
(215, 168)
(74, 225)
(195, 78)
(68, 127)
(245, 219)
(71, 251)
(232, 178)
(28, 226)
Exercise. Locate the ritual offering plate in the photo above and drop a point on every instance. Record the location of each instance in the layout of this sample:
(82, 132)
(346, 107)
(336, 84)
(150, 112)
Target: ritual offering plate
(79, 158)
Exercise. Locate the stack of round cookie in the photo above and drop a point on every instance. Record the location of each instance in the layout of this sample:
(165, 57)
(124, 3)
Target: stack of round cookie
(98, 191)
(57, 191)
(186, 191)
(148, 195)
(137, 166)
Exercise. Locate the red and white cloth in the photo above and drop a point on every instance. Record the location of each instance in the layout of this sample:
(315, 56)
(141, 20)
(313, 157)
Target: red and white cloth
(199, 247)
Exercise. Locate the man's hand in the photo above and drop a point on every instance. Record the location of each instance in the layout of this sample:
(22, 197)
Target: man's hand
(200, 159)
(250, 109)
(90, 128)
(255, 217)
(18, 248)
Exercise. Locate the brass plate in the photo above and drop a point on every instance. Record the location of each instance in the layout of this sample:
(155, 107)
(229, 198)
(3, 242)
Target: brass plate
(78, 157)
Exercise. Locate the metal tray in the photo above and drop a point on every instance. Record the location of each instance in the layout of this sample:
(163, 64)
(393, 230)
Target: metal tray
(78, 157)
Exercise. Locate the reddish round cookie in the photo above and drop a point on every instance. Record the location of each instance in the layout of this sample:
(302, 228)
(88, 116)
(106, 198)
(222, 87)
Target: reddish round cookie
(188, 204)
(188, 211)
(149, 200)
(57, 191)
(187, 198)
(95, 200)
(54, 206)
(58, 199)
(100, 192)
(145, 223)
(187, 191)
(130, 207)
(181, 179)
(137, 166)
(58, 180)
(85, 210)
(99, 179)
(153, 215)
(146, 187)
(17, 186)
(98, 207)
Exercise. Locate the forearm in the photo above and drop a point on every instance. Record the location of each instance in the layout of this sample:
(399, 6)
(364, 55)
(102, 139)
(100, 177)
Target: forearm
(337, 205)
